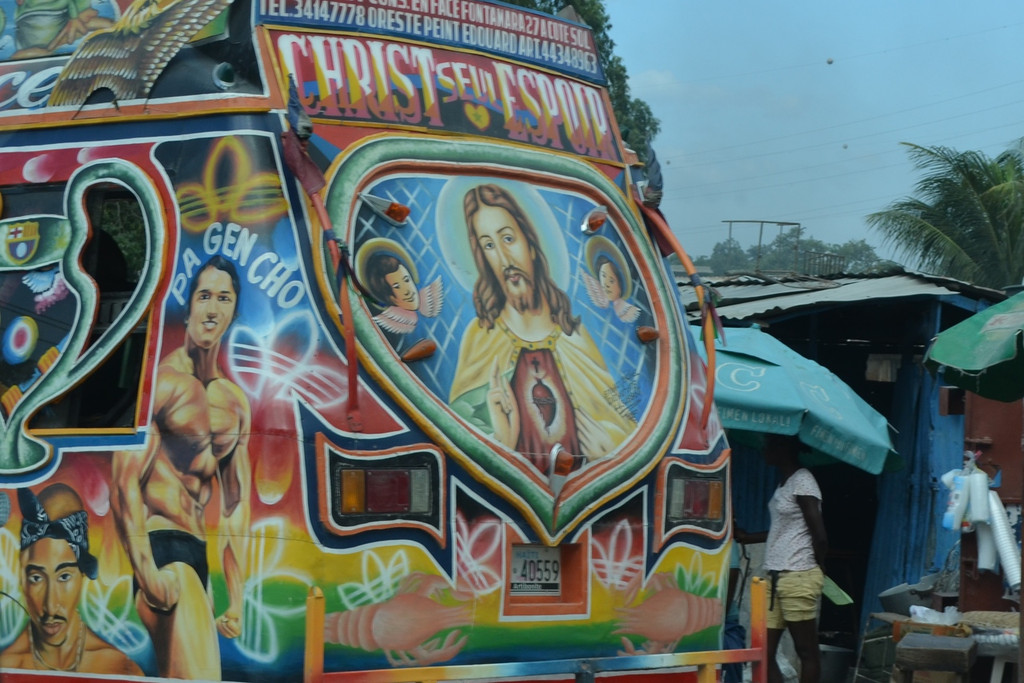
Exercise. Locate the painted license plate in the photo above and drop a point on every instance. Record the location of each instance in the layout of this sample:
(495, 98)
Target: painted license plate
(535, 570)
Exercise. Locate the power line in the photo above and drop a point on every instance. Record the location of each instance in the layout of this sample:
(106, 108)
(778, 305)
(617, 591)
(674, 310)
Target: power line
(858, 137)
(804, 65)
(804, 133)
(733, 181)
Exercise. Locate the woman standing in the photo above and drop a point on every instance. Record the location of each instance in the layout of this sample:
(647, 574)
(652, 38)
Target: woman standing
(795, 550)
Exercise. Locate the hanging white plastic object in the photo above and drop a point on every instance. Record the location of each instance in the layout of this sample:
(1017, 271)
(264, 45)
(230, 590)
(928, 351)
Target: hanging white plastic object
(957, 504)
(987, 554)
(977, 509)
(1006, 545)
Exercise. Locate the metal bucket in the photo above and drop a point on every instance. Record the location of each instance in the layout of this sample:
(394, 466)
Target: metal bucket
(835, 663)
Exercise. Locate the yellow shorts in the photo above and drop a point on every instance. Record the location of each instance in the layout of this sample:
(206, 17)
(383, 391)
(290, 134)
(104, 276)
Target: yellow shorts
(797, 595)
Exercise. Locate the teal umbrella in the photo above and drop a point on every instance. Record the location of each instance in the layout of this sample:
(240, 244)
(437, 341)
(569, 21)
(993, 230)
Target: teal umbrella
(762, 385)
(985, 353)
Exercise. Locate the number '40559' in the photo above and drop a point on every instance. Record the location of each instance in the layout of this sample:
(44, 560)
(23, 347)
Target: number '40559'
(539, 570)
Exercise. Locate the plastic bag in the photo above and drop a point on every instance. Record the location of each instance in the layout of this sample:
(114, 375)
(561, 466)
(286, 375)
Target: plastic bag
(924, 615)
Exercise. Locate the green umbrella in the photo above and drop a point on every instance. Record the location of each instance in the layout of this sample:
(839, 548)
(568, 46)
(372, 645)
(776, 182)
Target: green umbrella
(762, 385)
(985, 353)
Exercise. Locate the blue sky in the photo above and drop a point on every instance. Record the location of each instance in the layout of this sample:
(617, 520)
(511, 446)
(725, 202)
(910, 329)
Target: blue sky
(759, 124)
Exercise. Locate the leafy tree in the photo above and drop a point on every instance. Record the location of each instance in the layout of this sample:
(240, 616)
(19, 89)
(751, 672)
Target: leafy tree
(636, 120)
(967, 218)
(791, 251)
(727, 256)
(858, 255)
(783, 252)
(122, 220)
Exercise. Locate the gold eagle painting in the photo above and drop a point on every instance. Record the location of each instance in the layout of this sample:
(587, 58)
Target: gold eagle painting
(129, 56)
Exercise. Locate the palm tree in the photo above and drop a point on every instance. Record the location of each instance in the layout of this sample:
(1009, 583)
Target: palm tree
(967, 220)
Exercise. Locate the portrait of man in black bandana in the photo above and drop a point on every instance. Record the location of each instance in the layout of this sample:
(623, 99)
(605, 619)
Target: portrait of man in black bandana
(55, 563)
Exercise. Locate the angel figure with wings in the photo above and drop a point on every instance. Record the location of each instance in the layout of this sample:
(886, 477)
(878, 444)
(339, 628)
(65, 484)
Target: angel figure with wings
(390, 276)
(612, 283)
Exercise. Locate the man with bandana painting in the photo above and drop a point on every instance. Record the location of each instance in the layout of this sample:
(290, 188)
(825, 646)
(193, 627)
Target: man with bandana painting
(55, 562)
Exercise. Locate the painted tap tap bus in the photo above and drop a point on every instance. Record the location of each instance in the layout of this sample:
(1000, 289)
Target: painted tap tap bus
(337, 342)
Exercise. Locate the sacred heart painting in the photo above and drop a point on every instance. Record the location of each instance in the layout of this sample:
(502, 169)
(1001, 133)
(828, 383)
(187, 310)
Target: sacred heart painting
(48, 304)
(512, 304)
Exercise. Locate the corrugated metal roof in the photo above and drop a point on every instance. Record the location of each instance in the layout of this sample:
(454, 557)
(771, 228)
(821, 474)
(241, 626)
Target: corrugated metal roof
(750, 296)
